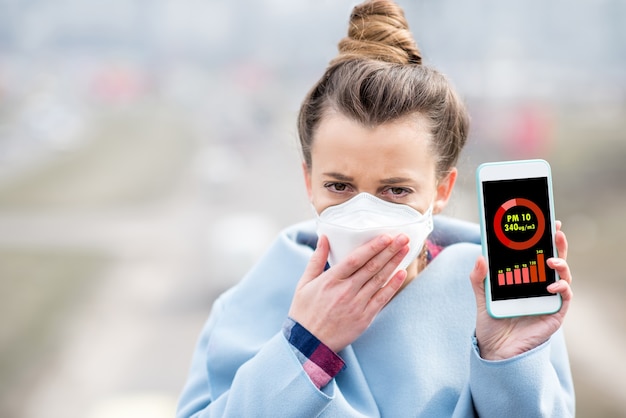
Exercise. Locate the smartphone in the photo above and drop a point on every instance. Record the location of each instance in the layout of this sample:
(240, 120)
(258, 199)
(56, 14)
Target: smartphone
(517, 227)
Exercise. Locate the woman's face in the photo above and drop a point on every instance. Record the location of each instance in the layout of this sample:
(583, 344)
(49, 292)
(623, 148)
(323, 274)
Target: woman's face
(392, 161)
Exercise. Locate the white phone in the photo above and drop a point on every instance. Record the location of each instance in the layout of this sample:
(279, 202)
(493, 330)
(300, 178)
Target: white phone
(517, 227)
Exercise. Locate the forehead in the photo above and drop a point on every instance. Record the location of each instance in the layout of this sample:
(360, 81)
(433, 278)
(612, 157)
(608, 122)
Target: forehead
(398, 148)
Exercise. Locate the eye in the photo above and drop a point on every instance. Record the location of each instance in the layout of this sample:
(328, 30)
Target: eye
(396, 192)
(336, 187)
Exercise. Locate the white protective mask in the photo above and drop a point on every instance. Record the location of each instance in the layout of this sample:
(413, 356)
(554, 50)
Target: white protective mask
(360, 219)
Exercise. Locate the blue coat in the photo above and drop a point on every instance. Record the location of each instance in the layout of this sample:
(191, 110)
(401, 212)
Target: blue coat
(417, 359)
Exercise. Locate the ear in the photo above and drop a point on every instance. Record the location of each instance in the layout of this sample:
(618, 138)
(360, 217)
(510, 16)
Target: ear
(307, 180)
(444, 190)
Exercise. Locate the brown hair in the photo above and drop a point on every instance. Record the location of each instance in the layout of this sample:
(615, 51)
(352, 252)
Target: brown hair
(378, 77)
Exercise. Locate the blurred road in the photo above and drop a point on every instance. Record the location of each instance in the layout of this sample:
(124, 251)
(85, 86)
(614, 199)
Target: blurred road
(120, 343)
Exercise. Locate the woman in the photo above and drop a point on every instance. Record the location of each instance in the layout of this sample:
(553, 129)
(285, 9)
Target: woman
(392, 327)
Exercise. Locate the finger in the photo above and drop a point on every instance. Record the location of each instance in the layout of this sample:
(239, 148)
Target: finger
(376, 272)
(479, 273)
(381, 278)
(361, 256)
(375, 266)
(384, 294)
(317, 262)
(565, 290)
(561, 244)
(561, 267)
(477, 278)
(558, 225)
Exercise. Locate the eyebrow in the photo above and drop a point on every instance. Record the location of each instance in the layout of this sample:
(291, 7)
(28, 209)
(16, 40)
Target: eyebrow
(395, 180)
(339, 176)
(390, 180)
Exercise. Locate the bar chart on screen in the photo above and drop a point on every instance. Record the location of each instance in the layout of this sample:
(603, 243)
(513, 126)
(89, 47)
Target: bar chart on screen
(534, 271)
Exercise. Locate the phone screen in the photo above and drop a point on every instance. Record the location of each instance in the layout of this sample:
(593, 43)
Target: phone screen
(519, 237)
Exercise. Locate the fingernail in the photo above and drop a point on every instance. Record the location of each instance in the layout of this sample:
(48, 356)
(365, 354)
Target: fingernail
(384, 240)
(557, 262)
(402, 239)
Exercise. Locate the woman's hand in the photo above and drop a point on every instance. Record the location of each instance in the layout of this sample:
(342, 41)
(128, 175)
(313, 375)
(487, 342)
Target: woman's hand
(504, 338)
(337, 305)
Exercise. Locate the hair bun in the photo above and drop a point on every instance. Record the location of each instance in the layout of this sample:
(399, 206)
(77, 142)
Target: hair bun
(379, 30)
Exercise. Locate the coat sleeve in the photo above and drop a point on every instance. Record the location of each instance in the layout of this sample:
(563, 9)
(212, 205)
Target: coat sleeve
(242, 364)
(270, 383)
(537, 383)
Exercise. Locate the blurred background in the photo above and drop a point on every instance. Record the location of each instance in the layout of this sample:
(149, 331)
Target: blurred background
(148, 155)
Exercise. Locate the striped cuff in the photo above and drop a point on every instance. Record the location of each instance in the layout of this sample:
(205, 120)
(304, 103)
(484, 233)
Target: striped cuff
(320, 363)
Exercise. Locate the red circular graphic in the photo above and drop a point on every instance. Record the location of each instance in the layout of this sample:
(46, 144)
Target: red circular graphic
(519, 245)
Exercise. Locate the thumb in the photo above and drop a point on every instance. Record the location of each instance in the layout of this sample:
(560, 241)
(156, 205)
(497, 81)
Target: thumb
(317, 262)
(477, 278)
